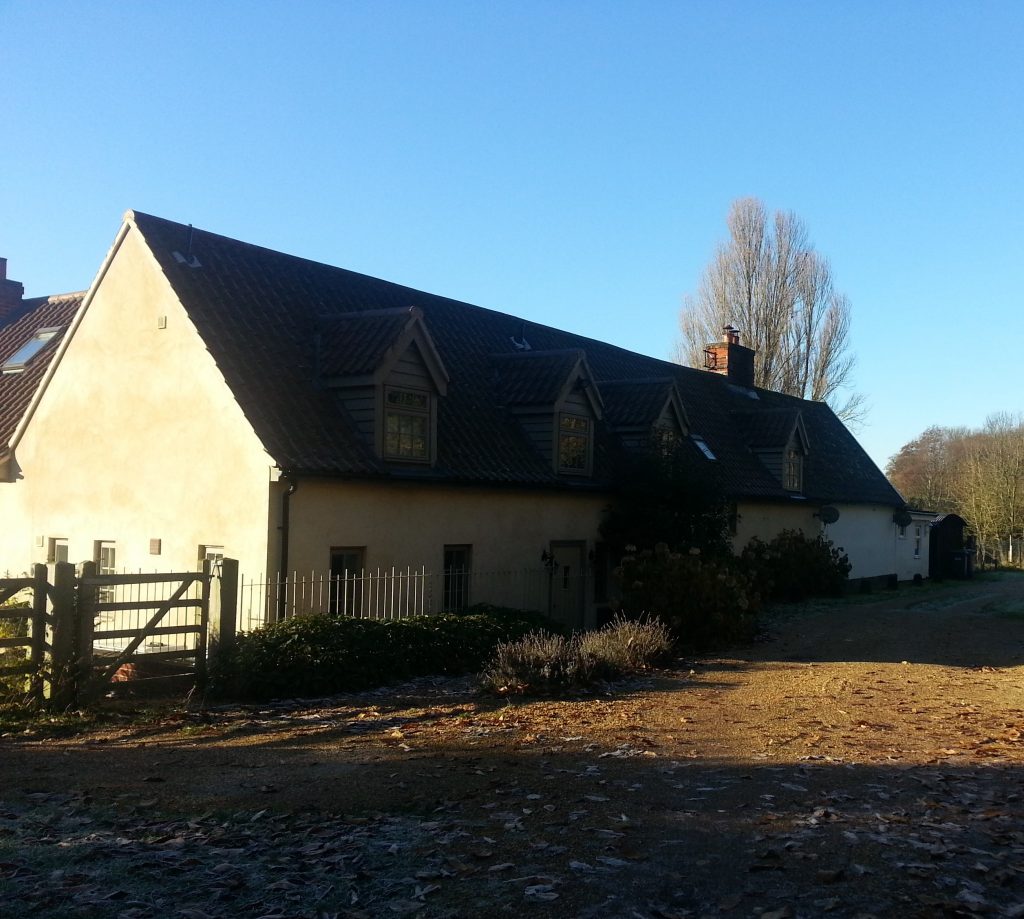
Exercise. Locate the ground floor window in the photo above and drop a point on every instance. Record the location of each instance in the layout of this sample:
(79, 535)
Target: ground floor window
(347, 563)
(212, 554)
(457, 560)
(105, 557)
(57, 550)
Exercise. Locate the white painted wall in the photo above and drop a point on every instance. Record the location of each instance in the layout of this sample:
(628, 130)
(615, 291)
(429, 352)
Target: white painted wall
(912, 547)
(867, 534)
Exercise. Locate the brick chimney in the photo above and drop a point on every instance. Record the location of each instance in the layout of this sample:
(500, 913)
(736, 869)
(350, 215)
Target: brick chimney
(11, 293)
(729, 358)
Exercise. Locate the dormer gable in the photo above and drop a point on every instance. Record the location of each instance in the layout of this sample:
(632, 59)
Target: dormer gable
(389, 376)
(557, 403)
(643, 412)
(779, 439)
(365, 347)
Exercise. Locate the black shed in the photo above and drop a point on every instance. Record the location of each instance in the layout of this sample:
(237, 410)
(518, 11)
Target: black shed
(949, 556)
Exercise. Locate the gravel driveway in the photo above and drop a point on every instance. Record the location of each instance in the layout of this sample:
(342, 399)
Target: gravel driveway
(864, 759)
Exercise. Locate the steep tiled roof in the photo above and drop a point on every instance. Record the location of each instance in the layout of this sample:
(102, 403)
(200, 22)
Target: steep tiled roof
(534, 377)
(259, 313)
(17, 389)
(635, 402)
(355, 344)
(767, 428)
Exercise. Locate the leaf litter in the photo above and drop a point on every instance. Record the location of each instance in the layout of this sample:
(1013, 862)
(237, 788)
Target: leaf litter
(748, 786)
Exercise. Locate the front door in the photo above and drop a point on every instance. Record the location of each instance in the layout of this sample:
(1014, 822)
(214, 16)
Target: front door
(567, 583)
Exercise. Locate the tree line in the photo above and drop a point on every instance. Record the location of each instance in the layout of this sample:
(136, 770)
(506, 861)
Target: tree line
(976, 473)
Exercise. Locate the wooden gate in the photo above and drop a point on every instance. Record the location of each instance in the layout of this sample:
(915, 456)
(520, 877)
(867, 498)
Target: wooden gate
(26, 630)
(79, 635)
(150, 627)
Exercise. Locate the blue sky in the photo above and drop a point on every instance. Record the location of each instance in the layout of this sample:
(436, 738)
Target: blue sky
(570, 162)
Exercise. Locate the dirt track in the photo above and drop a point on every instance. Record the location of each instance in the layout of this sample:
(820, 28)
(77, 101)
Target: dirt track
(864, 760)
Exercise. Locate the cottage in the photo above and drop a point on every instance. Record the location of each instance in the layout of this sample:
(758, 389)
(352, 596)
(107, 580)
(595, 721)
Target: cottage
(210, 397)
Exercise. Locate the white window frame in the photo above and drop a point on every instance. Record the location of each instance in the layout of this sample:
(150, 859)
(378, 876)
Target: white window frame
(21, 358)
(56, 549)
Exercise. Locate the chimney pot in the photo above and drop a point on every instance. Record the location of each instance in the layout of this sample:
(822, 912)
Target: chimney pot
(731, 359)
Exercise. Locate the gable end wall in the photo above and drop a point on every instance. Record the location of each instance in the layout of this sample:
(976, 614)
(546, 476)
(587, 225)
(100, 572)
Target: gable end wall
(137, 437)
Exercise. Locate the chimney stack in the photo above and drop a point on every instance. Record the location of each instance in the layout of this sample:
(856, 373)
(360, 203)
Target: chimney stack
(11, 294)
(731, 359)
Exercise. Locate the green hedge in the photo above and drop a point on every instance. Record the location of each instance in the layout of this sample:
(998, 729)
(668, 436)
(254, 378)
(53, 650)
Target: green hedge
(794, 566)
(319, 655)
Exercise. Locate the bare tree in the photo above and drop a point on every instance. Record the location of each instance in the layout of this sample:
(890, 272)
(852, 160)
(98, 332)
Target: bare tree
(768, 280)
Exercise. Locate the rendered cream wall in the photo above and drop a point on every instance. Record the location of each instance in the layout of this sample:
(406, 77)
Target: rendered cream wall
(138, 437)
(865, 532)
(766, 520)
(409, 524)
(15, 531)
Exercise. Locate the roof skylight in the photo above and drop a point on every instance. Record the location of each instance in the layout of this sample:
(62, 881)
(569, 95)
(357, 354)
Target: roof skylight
(704, 448)
(21, 358)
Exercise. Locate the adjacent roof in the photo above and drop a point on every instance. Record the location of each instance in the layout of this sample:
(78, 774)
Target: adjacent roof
(17, 389)
(260, 313)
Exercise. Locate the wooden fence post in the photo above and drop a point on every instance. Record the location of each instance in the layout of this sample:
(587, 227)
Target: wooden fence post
(62, 645)
(203, 638)
(227, 622)
(86, 622)
(38, 650)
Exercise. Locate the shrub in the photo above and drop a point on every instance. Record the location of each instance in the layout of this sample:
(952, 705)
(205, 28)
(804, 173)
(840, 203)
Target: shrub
(792, 566)
(703, 601)
(542, 663)
(536, 663)
(627, 645)
(320, 655)
(13, 687)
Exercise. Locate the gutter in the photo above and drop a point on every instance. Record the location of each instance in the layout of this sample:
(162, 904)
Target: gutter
(286, 505)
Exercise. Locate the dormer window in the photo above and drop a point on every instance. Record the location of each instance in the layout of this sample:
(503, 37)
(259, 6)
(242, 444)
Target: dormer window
(21, 358)
(574, 440)
(793, 470)
(407, 425)
(554, 396)
(389, 378)
(665, 440)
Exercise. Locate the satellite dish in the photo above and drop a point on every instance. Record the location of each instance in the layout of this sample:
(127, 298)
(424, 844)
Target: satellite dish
(902, 517)
(829, 514)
